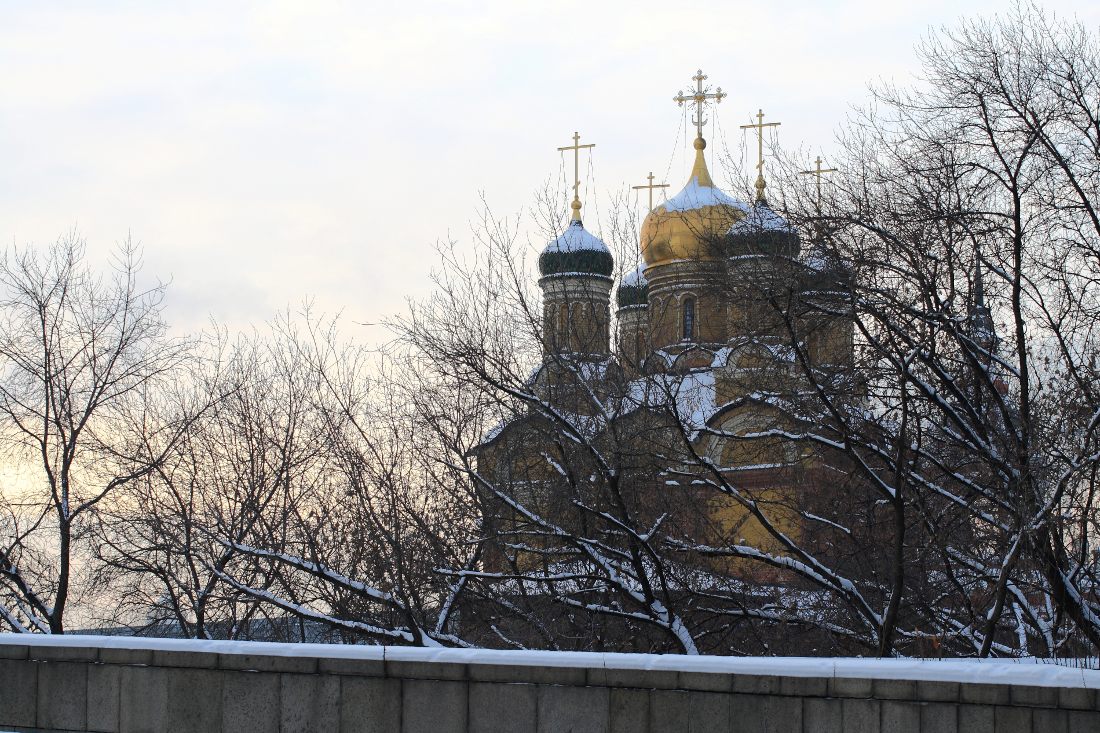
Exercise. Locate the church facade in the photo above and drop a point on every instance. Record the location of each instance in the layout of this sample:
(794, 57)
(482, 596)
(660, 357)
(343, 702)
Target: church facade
(667, 397)
(703, 445)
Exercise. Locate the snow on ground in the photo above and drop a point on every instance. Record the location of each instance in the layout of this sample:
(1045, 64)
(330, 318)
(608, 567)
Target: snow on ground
(1030, 671)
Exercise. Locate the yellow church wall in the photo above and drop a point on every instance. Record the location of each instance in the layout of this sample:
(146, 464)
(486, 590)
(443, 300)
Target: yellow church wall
(735, 524)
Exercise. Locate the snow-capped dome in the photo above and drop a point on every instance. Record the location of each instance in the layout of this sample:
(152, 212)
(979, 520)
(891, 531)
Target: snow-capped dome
(816, 259)
(576, 251)
(688, 225)
(760, 218)
(634, 288)
(636, 278)
(825, 271)
(696, 195)
(762, 231)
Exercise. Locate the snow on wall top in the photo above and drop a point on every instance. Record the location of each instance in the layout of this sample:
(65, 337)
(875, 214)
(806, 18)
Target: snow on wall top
(576, 238)
(696, 196)
(1028, 671)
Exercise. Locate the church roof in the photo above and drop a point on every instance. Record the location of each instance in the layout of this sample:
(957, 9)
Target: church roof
(685, 226)
(634, 288)
(692, 395)
(762, 231)
(636, 277)
(576, 251)
(576, 238)
(760, 218)
(699, 193)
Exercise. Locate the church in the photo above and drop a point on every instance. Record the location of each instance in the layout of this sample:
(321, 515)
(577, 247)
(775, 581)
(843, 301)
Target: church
(669, 398)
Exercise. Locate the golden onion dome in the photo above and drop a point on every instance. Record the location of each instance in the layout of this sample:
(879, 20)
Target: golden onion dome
(686, 226)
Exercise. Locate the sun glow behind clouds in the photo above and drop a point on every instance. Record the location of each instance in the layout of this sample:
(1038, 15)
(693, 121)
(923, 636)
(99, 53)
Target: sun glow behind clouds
(269, 152)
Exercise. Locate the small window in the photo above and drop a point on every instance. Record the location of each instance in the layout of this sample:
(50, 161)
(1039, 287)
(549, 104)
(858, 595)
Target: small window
(688, 331)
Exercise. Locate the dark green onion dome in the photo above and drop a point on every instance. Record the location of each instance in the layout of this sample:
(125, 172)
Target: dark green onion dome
(825, 271)
(763, 231)
(634, 288)
(576, 252)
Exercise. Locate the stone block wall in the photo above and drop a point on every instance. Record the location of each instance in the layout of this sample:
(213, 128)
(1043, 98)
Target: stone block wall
(162, 690)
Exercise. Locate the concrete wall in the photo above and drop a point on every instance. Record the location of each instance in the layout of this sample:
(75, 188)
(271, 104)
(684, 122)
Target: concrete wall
(90, 688)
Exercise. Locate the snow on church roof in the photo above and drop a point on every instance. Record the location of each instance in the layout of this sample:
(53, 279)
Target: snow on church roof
(636, 277)
(761, 218)
(693, 394)
(816, 260)
(696, 195)
(576, 238)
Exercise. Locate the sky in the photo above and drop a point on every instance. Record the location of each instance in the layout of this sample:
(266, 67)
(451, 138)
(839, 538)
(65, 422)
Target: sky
(270, 154)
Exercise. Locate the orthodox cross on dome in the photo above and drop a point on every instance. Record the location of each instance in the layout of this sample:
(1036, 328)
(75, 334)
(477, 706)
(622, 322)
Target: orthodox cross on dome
(651, 186)
(819, 172)
(576, 147)
(699, 98)
(759, 126)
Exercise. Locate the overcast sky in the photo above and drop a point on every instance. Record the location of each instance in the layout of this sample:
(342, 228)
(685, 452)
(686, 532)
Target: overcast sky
(272, 152)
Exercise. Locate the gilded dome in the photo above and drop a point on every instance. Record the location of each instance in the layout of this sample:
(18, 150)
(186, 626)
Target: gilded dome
(687, 226)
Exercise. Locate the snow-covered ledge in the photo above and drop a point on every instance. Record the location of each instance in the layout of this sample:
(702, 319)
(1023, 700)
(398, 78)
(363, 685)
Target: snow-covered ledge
(91, 683)
(1042, 673)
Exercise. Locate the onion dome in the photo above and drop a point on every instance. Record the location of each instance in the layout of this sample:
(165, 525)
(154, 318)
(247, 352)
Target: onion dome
(688, 225)
(633, 289)
(576, 252)
(762, 231)
(824, 270)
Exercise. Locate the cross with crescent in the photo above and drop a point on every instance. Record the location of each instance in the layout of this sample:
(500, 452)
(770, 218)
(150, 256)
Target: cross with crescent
(576, 147)
(759, 127)
(651, 186)
(699, 98)
(819, 172)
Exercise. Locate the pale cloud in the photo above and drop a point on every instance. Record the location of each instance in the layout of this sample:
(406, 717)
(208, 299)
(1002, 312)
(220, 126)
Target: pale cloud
(270, 152)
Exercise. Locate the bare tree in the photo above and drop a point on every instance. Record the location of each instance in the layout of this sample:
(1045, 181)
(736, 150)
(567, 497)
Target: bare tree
(79, 357)
(967, 213)
(164, 545)
(314, 501)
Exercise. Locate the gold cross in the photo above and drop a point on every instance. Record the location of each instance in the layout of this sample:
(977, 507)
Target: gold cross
(759, 127)
(576, 147)
(651, 186)
(819, 172)
(700, 96)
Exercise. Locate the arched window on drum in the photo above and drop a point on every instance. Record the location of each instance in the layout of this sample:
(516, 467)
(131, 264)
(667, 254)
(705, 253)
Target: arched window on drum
(563, 325)
(687, 325)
